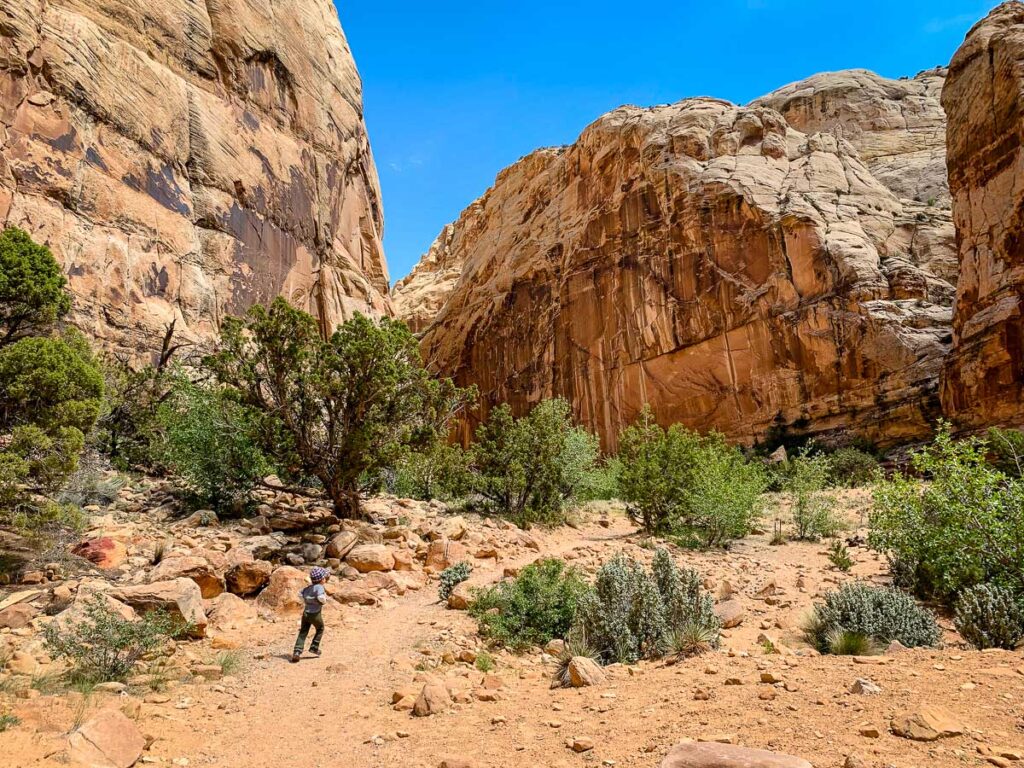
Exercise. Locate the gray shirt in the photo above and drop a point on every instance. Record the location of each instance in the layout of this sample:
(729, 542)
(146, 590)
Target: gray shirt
(314, 596)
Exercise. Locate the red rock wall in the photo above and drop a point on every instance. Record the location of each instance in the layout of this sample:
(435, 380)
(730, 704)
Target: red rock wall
(983, 383)
(185, 160)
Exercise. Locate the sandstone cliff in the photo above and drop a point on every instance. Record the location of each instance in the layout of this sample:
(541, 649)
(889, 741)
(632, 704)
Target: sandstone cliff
(984, 380)
(185, 160)
(716, 261)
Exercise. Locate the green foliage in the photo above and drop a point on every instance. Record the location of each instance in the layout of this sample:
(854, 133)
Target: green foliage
(535, 607)
(103, 646)
(601, 481)
(633, 613)
(839, 556)
(337, 409)
(50, 382)
(813, 507)
(530, 468)
(451, 577)
(880, 614)
(852, 468)
(575, 647)
(89, 485)
(440, 471)
(846, 643)
(990, 617)
(1007, 451)
(127, 430)
(484, 662)
(676, 482)
(964, 526)
(8, 721)
(32, 295)
(208, 441)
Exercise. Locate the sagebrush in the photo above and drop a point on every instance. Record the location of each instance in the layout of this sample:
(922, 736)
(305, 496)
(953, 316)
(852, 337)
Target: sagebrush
(989, 616)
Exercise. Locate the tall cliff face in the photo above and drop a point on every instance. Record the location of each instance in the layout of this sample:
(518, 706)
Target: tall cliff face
(712, 260)
(983, 383)
(188, 159)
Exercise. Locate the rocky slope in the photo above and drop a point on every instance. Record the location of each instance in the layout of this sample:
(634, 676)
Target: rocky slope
(740, 268)
(185, 160)
(984, 380)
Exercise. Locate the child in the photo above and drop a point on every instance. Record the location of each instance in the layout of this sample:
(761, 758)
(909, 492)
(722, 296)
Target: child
(314, 596)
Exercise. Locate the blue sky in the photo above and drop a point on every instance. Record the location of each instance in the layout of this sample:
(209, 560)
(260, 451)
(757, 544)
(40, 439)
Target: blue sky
(454, 91)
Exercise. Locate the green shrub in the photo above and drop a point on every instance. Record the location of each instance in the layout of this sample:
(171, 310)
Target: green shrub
(532, 609)
(208, 441)
(990, 617)
(601, 482)
(839, 556)
(32, 287)
(633, 613)
(879, 614)
(441, 471)
(8, 721)
(341, 409)
(852, 468)
(814, 514)
(529, 469)
(697, 489)
(1007, 450)
(89, 485)
(964, 526)
(451, 577)
(104, 646)
(484, 662)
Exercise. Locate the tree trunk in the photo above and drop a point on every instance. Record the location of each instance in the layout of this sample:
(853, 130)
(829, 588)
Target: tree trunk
(346, 501)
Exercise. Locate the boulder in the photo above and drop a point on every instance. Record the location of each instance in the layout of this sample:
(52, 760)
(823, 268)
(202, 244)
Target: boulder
(731, 613)
(281, 595)
(460, 597)
(367, 558)
(433, 699)
(227, 612)
(716, 755)
(198, 569)
(108, 739)
(103, 552)
(179, 597)
(585, 672)
(927, 723)
(18, 616)
(341, 544)
(248, 577)
(351, 593)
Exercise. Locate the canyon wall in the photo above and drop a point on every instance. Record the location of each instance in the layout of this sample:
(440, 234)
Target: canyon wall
(983, 383)
(763, 271)
(185, 160)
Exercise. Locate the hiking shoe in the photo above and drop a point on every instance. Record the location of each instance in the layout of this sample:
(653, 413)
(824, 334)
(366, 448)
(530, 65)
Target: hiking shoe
(295, 658)
(315, 652)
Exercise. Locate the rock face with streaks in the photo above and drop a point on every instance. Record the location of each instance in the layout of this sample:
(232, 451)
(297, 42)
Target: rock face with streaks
(188, 159)
(983, 383)
(753, 270)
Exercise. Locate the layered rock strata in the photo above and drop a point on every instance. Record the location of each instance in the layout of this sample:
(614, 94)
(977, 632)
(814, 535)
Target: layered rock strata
(185, 160)
(715, 261)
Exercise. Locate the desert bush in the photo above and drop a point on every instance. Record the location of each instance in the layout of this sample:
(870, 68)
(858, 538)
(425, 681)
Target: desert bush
(989, 616)
(814, 514)
(340, 409)
(7, 721)
(633, 613)
(698, 489)
(484, 662)
(441, 471)
(1007, 450)
(963, 527)
(208, 441)
(451, 577)
(91, 485)
(32, 287)
(535, 607)
(877, 614)
(839, 556)
(530, 469)
(851, 468)
(104, 646)
(576, 646)
(127, 430)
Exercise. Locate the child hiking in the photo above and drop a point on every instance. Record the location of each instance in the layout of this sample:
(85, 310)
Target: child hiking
(314, 596)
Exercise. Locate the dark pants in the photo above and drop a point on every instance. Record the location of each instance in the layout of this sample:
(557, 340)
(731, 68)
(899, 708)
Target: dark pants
(316, 621)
